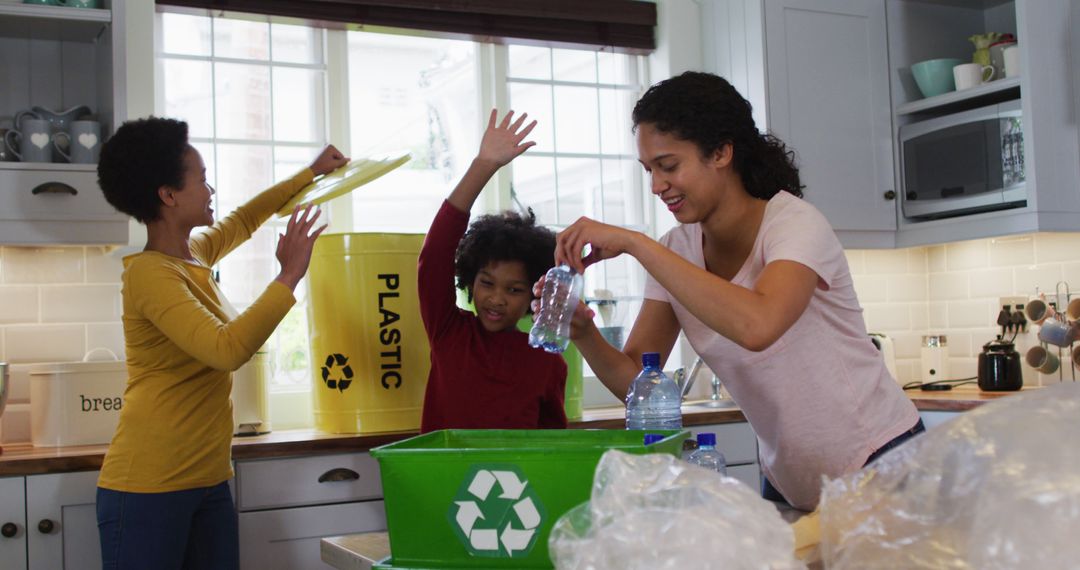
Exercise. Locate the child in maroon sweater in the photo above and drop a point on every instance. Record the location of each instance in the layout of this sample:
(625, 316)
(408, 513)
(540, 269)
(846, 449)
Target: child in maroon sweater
(484, 374)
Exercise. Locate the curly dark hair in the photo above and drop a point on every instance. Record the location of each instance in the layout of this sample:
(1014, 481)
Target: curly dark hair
(506, 236)
(141, 157)
(706, 110)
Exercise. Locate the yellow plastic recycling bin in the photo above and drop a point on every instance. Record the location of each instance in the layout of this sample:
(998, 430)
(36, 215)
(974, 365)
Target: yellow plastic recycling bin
(370, 355)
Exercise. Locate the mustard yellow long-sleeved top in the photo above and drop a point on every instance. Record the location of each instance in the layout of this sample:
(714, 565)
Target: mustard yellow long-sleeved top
(183, 340)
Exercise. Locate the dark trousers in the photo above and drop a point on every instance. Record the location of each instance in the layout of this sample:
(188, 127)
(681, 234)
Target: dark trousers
(194, 528)
(768, 492)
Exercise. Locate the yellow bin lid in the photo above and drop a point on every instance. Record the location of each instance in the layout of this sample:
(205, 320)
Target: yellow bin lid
(344, 180)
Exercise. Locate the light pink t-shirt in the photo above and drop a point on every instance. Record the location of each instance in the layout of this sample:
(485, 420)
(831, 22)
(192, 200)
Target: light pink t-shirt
(820, 399)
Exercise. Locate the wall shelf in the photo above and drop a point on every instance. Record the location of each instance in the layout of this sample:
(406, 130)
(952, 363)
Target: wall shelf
(995, 91)
(56, 166)
(52, 22)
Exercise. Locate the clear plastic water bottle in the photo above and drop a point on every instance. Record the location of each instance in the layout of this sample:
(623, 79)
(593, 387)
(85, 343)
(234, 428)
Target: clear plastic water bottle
(562, 291)
(706, 454)
(654, 400)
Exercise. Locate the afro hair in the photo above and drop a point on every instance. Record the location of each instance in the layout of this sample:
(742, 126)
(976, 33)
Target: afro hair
(506, 236)
(141, 157)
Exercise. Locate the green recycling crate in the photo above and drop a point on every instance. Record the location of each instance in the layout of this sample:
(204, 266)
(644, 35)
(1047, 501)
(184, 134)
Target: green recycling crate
(488, 498)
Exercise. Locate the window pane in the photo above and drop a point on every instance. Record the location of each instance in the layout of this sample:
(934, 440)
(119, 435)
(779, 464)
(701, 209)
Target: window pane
(298, 104)
(576, 120)
(206, 150)
(417, 95)
(579, 188)
(185, 35)
(534, 185)
(529, 62)
(536, 101)
(288, 160)
(296, 44)
(243, 172)
(243, 101)
(241, 39)
(616, 134)
(574, 65)
(622, 198)
(289, 347)
(187, 84)
(617, 68)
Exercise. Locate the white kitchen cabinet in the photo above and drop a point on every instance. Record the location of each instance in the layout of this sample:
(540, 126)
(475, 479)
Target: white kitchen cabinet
(933, 419)
(59, 58)
(288, 539)
(13, 523)
(828, 98)
(839, 87)
(62, 521)
(288, 505)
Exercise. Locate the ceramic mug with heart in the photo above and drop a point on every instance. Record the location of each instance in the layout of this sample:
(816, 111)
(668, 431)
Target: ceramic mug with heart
(32, 143)
(83, 140)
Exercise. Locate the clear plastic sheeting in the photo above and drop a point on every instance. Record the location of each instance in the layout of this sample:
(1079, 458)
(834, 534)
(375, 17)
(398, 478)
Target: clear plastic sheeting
(997, 487)
(656, 512)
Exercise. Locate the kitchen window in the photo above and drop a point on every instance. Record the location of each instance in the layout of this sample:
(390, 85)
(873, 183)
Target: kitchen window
(260, 100)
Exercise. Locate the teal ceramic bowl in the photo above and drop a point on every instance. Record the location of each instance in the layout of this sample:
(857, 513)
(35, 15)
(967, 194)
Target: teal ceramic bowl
(935, 76)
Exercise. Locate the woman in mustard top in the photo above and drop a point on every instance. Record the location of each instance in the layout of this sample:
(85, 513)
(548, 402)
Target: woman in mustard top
(163, 498)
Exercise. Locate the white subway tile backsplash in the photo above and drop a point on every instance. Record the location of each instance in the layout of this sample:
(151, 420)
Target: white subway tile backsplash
(44, 343)
(920, 316)
(1050, 247)
(102, 267)
(871, 288)
(1071, 274)
(1012, 250)
(18, 304)
(888, 317)
(939, 316)
(1043, 277)
(967, 255)
(908, 371)
(907, 344)
(949, 286)
(959, 343)
(886, 261)
(855, 261)
(106, 335)
(991, 283)
(907, 288)
(44, 265)
(965, 314)
(935, 259)
(80, 303)
(963, 368)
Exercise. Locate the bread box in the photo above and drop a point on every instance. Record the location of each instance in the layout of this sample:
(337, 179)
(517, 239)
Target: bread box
(75, 403)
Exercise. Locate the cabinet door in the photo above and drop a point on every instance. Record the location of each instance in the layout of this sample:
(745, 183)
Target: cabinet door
(828, 94)
(736, 441)
(13, 521)
(61, 514)
(289, 538)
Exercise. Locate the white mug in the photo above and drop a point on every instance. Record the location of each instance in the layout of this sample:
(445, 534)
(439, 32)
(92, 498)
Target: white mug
(968, 75)
(1012, 61)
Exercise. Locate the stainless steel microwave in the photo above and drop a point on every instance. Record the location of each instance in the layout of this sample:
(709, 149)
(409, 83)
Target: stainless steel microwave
(963, 163)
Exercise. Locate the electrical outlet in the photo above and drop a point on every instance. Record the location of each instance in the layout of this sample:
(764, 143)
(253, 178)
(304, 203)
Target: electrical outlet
(1012, 302)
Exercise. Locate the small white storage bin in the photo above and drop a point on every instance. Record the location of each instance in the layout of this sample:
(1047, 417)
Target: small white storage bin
(75, 403)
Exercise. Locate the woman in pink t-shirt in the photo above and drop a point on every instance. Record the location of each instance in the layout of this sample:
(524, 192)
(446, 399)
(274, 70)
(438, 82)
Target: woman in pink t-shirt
(756, 279)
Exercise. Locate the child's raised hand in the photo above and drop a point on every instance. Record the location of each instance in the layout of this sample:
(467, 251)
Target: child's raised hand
(502, 142)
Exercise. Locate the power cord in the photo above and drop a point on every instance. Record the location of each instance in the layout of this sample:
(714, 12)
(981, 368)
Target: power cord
(940, 385)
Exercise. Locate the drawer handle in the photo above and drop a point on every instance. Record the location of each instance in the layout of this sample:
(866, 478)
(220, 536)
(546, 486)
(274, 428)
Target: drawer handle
(54, 188)
(339, 474)
(45, 526)
(9, 530)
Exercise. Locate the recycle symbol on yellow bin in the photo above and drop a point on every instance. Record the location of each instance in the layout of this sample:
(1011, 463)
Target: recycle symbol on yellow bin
(340, 384)
(495, 513)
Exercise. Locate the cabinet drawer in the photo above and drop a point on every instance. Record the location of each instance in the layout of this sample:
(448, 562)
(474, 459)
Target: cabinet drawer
(736, 441)
(749, 474)
(275, 483)
(290, 538)
(57, 216)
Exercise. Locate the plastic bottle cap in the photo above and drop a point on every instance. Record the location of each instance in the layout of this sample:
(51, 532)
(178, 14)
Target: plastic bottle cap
(706, 439)
(651, 438)
(650, 360)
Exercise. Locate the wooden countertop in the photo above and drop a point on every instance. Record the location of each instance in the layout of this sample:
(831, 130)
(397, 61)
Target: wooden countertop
(25, 459)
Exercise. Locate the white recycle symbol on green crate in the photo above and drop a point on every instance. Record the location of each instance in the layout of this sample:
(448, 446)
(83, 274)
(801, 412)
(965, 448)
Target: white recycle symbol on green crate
(496, 523)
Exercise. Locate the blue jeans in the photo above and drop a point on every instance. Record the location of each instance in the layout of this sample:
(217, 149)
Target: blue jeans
(194, 528)
(769, 493)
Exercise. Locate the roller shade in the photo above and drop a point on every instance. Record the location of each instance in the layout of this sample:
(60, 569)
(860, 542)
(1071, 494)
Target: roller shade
(624, 26)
